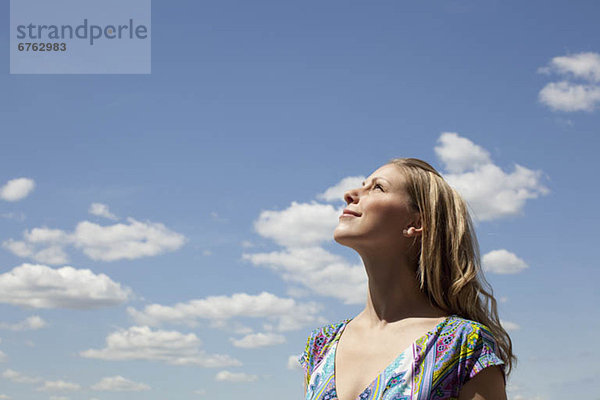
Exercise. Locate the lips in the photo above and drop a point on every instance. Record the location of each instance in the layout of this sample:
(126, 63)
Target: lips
(350, 212)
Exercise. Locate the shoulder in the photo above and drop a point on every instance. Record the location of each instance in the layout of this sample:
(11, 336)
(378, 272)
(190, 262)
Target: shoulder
(475, 346)
(468, 330)
(321, 337)
(318, 343)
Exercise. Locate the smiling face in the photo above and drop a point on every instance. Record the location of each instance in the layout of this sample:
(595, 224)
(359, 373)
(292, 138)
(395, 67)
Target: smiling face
(384, 212)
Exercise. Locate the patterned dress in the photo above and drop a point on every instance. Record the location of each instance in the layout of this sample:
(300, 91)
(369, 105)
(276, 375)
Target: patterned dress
(435, 366)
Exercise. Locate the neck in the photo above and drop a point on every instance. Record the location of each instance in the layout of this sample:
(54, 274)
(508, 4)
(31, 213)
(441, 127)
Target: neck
(393, 292)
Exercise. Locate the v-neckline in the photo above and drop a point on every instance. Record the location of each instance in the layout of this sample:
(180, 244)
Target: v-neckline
(385, 370)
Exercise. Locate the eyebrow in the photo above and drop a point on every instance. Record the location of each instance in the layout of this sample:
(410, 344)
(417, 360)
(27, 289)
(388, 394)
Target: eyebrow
(376, 178)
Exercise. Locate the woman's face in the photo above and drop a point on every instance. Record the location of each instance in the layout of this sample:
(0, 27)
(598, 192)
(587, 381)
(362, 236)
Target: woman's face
(383, 209)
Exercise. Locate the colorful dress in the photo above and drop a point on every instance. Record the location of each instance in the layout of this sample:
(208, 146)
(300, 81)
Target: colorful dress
(435, 366)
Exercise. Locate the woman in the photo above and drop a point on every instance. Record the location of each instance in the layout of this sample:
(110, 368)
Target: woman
(424, 332)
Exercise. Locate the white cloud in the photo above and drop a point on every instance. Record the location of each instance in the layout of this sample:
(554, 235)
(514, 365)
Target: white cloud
(336, 192)
(459, 154)
(523, 397)
(236, 377)
(45, 235)
(121, 241)
(119, 384)
(254, 340)
(502, 262)
(246, 244)
(39, 286)
(53, 254)
(215, 215)
(102, 243)
(581, 65)
(18, 377)
(16, 189)
(200, 392)
(287, 312)
(489, 191)
(292, 362)
(54, 386)
(301, 229)
(300, 224)
(567, 95)
(171, 347)
(510, 326)
(3, 356)
(318, 270)
(4, 397)
(101, 210)
(31, 323)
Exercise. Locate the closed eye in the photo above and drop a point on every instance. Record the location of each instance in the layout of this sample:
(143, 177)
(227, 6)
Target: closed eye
(378, 186)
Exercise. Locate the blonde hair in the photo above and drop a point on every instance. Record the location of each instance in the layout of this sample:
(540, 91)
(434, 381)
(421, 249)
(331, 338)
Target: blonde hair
(449, 268)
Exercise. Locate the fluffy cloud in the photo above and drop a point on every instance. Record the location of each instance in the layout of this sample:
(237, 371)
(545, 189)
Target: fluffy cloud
(16, 189)
(317, 269)
(236, 377)
(171, 347)
(122, 241)
(299, 225)
(581, 65)
(103, 243)
(51, 253)
(302, 229)
(54, 386)
(567, 95)
(119, 384)
(254, 340)
(510, 326)
(18, 377)
(101, 210)
(336, 192)
(31, 323)
(292, 362)
(39, 286)
(287, 312)
(459, 154)
(491, 192)
(502, 262)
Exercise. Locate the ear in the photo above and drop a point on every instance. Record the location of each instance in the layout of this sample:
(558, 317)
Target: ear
(412, 231)
(414, 228)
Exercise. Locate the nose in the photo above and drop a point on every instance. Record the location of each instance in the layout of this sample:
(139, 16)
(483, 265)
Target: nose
(350, 196)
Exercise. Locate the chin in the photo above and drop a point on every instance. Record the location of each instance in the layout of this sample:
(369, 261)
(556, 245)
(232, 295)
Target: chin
(342, 238)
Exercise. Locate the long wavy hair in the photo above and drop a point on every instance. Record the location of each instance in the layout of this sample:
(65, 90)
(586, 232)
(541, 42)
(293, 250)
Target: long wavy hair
(449, 269)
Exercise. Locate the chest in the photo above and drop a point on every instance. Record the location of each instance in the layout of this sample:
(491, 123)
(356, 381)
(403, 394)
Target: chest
(361, 363)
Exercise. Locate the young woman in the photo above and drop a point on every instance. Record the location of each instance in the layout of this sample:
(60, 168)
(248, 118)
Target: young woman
(425, 331)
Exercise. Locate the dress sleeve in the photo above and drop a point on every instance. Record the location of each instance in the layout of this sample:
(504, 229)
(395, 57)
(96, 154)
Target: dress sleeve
(305, 358)
(481, 351)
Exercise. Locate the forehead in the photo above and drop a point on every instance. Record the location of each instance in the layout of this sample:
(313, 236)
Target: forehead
(389, 172)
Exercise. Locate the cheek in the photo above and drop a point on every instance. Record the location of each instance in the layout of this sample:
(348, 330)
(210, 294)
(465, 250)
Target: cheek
(389, 214)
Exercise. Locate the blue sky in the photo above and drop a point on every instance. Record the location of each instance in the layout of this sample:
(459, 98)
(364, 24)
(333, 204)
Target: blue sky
(170, 235)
